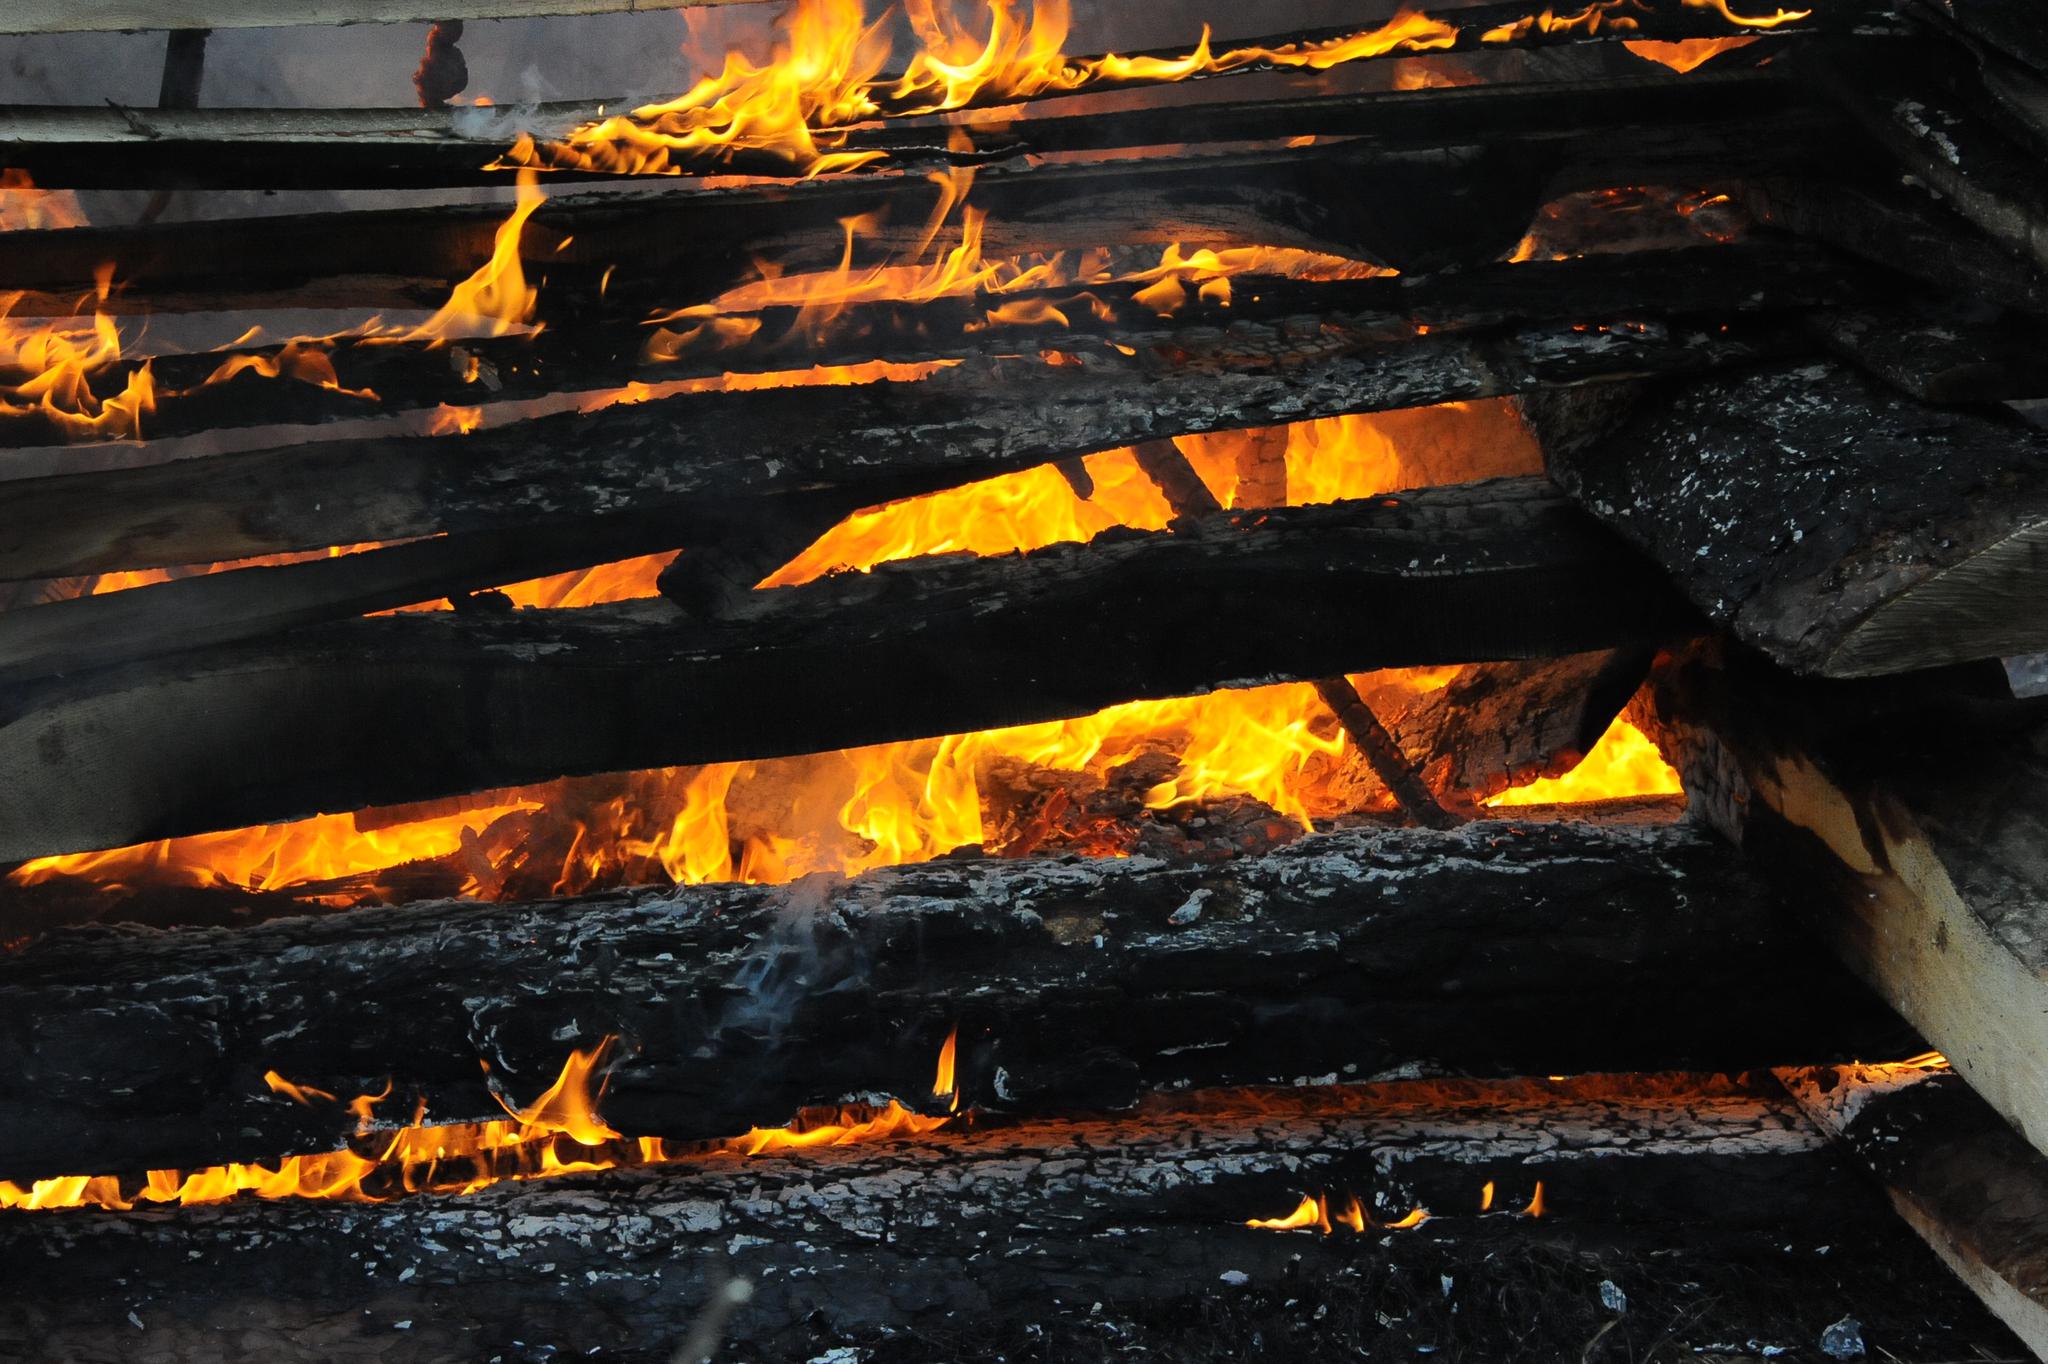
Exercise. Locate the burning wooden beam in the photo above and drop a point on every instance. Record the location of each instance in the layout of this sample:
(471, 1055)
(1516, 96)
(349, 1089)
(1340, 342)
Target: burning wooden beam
(588, 356)
(699, 454)
(1959, 1176)
(1842, 528)
(387, 710)
(89, 148)
(1007, 1233)
(681, 246)
(1496, 948)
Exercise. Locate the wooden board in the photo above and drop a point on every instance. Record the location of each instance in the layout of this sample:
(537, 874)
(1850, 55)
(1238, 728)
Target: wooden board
(1501, 947)
(1959, 1176)
(110, 16)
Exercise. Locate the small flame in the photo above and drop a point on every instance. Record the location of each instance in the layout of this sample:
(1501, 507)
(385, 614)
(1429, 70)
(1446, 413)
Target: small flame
(494, 300)
(1686, 54)
(1535, 1208)
(942, 1083)
(1486, 1196)
(1313, 1213)
(558, 1133)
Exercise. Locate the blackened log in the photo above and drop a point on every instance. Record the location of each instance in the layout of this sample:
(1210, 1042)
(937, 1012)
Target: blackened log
(1942, 361)
(381, 711)
(993, 1237)
(113, 16)
(700, 453)
(673, 247)
(583, 354)
(1959, 1176)
(105, 148)
(1838, 526)
(1496, 948)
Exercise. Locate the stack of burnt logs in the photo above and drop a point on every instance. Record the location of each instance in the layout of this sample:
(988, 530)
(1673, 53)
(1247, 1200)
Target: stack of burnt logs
(1792, 510)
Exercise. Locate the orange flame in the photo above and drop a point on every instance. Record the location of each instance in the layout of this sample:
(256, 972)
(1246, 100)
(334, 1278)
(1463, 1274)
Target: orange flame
(1536, 1207)
(1687, 54)
(942, 1083)
(1623, 763)
(825, 74)
(1486, 1196)
(48, 370)
(1313, 1213)
(558, 1133)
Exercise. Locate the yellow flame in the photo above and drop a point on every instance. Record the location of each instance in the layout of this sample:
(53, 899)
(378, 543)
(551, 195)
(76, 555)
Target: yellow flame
(1623, 763)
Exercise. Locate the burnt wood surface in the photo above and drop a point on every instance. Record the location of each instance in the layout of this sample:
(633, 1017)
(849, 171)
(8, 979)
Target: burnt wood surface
(1435, 205)
(582, 354)
(82, 147)
(379, 711)
(1967, 1183)
(701, 453)
(992, 1240)
(1841, 527)
(1500, 947)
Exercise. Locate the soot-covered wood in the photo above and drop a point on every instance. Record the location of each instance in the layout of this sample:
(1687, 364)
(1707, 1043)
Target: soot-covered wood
(589, 353)
(1498, 947)
(379, 711)
(1841, 527)
(992, 1223)
(702, 453)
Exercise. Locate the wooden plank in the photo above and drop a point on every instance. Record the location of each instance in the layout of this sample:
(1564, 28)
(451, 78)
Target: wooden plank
(1357, 953)
(979, 1239)
(79, 147)
(1959, 1176)
(393, 709)
(1843, 528)
(698, 454)
(584, 354)
(1921, 819)
(118, 16)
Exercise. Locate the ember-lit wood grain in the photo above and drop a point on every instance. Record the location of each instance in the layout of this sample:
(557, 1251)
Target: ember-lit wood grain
(968, 1233)
(1959, 1176)
(701, 454)
(1841, 527)
(379, 711)
(587, 354)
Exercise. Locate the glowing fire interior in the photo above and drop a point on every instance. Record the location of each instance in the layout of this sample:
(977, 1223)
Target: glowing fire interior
(909, 801)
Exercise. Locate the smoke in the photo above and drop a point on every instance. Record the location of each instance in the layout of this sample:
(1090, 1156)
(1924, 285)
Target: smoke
(806, 951)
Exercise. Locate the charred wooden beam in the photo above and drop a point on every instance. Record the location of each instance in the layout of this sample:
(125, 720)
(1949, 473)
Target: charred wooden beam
(96, 148)
(699, 454)
(992, 1236)
(1914, 810)
(116, 16)
(589, 354)
(386, 710)
(1959, 1176)
(1842, 528)
(1942, 361)
(1496, 948)
(681, 245)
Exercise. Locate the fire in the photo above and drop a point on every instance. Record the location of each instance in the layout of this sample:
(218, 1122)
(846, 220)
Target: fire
(1313, 1212)
(942, 1082)
(494, 300)
(1535, 1208)
(48, 370)
(826, 74)
(1486, 1196)
(914, 800)
(1623, 763)
(1688, 54)
(24, 208)
(560, 1132)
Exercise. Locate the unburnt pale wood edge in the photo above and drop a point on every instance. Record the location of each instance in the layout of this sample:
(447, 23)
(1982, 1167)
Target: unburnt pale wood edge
(1958, 1176)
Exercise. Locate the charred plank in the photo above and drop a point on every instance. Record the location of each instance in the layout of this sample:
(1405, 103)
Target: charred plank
(1495, 948)
(1842, 528)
